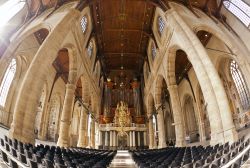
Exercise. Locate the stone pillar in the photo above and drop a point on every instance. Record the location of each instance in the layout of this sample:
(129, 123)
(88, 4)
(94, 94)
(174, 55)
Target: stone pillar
(161, 127)
(139, 138)
(114, 138)
(151, 133)
(202, 131)
(133, 138)
(176, 107)
(82, 128)
(144, 138)
(44, 122)
(100, 138)
(63, 140)
(130, 139)
(92, 135)
(111, 138)
(106, 138)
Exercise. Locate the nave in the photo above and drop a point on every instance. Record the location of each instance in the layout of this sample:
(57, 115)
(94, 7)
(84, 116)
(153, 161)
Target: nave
(125, 83)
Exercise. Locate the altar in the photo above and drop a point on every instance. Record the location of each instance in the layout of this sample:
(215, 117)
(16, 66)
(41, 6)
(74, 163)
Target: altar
(122, 133)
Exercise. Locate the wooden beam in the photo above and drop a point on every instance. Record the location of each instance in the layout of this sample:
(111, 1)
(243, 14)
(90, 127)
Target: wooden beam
(124, 53)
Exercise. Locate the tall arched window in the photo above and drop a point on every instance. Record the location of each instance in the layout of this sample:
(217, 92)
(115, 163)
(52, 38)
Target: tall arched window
(240, 9)
(161, 24)
(90, 48)
(10, 9)
(84, 22)
(6, 82)
(153, 50)
(240, 85)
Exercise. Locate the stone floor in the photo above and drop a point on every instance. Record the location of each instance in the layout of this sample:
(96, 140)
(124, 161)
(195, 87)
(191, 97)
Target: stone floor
(122, 159)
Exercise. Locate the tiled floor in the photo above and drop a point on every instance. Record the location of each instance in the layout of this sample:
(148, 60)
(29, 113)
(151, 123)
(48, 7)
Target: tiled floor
(123, 159)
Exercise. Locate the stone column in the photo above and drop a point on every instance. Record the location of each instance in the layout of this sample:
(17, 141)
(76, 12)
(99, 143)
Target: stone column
(176, 107)
(130, 139)
(133, 138)
(111, 138)
(114, 138)
(139, 138)
(151, 133)
(65, 122)
(44, 122)
(92, 135)
(144, 138)
(202, 131)
(161, 127)
(82, 128)
(100, 138)
(106, 138)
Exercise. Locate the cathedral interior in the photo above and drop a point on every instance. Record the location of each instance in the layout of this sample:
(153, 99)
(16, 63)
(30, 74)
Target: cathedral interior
(125, 83)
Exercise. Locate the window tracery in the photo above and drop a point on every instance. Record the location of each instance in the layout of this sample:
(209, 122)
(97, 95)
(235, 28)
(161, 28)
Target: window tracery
(153, 50)
(90, 49)
(240, 9)
(240, 85)
(161, 24)
(84, 22)
(6, 82)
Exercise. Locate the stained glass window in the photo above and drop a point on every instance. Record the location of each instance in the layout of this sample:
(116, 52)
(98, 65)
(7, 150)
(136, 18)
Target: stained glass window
(240, 85)
(90, 49)
(240, 9)
(6, 82)
(153, 50)
(9, 9)
(84, 22)
(161, 24)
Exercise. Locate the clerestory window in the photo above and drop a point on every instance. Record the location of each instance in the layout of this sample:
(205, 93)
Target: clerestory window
(240, 9)
(240, 85)
(6, 82)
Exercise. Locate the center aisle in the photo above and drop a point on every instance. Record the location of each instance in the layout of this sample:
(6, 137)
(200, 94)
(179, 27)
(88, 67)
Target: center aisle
(122, 159)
